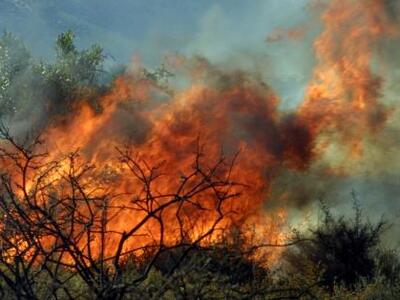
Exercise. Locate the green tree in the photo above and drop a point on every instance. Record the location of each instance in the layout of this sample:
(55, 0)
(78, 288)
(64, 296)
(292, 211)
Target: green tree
(34, 91)
(14, 63)
(74, 74)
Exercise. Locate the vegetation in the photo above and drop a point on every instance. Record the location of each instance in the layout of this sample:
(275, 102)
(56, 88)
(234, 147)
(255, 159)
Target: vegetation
(344, 250)
(338, 259)
(42, 89)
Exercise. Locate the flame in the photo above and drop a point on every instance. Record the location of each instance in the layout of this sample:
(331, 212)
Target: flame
(239, 116)
(230, 112)
(344, 92)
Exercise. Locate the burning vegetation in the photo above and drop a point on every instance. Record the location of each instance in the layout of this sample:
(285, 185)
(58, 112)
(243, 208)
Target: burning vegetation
(155, 184)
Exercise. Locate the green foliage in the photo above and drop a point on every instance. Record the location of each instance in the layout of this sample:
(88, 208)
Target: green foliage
(14, 62)
(341, 251)
(65, 44)
(73, 75)
(160, 77)
(31, 87)
(73, 66)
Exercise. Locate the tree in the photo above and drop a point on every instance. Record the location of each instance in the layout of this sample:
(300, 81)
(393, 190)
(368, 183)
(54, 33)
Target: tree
(38, 91)
(14, 63)
(73, 75)
(54, 227)
(339, 250)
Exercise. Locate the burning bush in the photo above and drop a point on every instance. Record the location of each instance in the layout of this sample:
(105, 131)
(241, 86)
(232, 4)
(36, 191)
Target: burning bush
(58, 215)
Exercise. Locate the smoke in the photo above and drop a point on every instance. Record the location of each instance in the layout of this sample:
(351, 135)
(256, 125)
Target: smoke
(308, 124)
(351, 100)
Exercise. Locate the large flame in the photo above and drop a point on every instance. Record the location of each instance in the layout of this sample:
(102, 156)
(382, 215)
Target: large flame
(228, 114)
(231, 112)
(344, 92)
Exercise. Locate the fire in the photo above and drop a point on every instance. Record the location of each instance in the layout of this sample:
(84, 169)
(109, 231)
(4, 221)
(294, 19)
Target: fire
(240, 116)
(344, 91)
(224, 113)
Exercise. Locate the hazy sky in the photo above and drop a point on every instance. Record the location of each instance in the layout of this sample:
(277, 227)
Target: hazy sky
(232, 32)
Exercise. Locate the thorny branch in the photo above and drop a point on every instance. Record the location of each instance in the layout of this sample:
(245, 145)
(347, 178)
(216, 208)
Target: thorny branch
(56, 219)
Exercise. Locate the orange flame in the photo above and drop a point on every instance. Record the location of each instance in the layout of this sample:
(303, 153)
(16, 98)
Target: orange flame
(344, 91)
(230, 112)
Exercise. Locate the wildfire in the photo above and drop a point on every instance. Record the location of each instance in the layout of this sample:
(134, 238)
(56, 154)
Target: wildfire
(344, 91)
(226, 113)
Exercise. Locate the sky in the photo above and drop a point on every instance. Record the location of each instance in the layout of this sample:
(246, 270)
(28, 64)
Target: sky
(228, 31)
